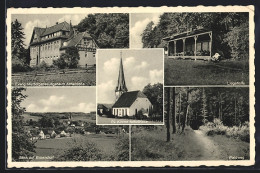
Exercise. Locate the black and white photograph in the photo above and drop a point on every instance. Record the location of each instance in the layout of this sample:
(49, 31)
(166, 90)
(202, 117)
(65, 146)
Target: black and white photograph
(200, 48)
(130, 86)
(59, 124)
(207, 124)
(60, 49)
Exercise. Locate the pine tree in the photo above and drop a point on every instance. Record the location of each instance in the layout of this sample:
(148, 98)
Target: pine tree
(17, 43)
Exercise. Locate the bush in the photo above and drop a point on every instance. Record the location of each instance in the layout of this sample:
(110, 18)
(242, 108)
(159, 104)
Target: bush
(217, 128)
(60, 63)
(80, 150)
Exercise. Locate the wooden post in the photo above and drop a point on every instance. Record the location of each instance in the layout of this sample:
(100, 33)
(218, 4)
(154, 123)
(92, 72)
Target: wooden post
(195, 47)
(210, 44)
(183, 46)
(174, 47)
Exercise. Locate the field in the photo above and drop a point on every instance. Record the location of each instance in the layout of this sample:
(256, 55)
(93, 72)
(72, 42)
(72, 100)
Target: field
(51, 147)
(191, 72)
(87, 79)
(191, 145)
(118, 121)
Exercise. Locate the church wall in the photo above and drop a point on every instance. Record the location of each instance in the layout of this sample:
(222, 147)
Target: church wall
(121, 112)
(138, 104)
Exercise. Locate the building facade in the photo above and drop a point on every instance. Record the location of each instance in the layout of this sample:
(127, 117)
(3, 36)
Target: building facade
(47, 44)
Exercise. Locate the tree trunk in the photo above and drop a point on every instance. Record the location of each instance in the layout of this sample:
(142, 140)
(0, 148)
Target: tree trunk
(168, 115)
(235, 112)
(173, 112)
(187, 108)
(179, 123)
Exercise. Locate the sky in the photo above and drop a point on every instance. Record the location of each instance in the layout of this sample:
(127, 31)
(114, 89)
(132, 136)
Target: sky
(29, 21)
(138, 25)
(140, 68)
(60, 99)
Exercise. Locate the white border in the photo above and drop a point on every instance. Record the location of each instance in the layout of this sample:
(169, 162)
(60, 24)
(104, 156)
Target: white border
(79, 10)
(135, 49)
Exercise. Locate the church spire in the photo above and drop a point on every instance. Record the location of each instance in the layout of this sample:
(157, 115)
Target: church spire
(121, 86)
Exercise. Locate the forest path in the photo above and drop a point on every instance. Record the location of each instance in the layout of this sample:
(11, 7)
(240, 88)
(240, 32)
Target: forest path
(211, 151)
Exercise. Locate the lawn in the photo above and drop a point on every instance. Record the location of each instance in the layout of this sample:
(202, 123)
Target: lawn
(71, 79)
(120, 121)
(191, 72)
(52, 147)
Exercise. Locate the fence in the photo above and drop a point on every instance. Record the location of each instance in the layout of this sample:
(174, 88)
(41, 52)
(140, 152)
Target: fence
(53, 71)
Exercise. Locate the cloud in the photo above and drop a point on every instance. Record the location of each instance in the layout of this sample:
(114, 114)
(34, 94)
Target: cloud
(35, 108)
(75, 19)
(106, 92)
(129, 62)
(28, 29)
(156, 76)
(143, 65)
(83, 107)
(111, 67)
(139, 82)
(139, 27)
(53, 100)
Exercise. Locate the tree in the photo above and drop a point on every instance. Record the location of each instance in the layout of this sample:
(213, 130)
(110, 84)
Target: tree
(204, 110)
(68, 59)
(173, 112)
(20, 55)
(168, 135)
(109, 30)
(22, 146)
(155, 94)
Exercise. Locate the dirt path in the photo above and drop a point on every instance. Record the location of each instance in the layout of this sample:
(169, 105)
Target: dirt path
(211, 151)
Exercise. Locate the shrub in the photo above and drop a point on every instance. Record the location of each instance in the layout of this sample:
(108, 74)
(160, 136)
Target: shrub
(217, 128)
(80, 150)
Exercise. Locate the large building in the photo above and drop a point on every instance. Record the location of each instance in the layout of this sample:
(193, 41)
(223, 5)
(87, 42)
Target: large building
(129, 103)
(47, 44)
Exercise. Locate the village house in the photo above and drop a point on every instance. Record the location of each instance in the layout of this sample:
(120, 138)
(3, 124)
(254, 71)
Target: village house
(194, 44)
(129, 103)
(47, 44)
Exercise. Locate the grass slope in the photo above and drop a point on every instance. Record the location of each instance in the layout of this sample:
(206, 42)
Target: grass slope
(190, 72)
(88, 79)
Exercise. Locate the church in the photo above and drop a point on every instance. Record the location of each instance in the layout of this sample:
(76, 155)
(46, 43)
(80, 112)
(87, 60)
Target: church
(129, 103)
(47, 44)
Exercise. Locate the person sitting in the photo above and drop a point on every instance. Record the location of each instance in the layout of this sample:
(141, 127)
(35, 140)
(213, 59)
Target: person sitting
(216, 57)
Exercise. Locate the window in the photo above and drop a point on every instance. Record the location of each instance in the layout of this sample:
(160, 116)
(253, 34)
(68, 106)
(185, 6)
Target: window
(86, 54)
(94, 54)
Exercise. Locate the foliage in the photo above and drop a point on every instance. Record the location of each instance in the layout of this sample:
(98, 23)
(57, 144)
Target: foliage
(80, 150)
(155, 94)
(122, 148)
(109, 30)
(46, 121)
(217, 128)
(20, 55)
(68, 59)
(219, 23)
(22, 146)
(238, 40)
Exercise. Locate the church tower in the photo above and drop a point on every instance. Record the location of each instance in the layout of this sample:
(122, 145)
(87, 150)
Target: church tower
(121, 86)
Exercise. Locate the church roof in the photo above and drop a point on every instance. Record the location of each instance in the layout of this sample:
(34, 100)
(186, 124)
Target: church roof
(128, 98)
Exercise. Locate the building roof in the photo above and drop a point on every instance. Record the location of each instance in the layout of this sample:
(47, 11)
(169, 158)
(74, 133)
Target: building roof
(186, 34)
(41, 32)
(128, 98)
(63, 26)
(104, 106)
(76, 39)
